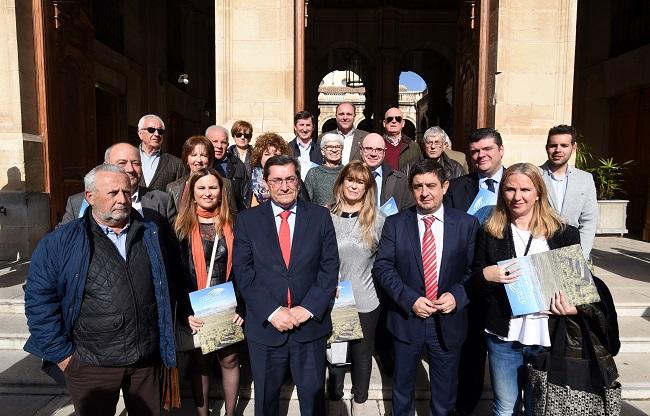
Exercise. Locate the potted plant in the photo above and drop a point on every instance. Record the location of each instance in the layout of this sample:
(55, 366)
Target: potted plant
(608, 176)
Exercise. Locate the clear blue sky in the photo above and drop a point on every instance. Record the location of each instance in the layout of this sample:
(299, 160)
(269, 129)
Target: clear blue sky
(412, 81)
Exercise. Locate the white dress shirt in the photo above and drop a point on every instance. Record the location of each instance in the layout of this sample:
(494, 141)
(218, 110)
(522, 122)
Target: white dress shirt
(496, 177)
(347, 145)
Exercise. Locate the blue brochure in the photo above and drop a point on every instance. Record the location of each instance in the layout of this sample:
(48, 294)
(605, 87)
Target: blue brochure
(215, 306)
(483, 205)
(389, 208)
(544, 274)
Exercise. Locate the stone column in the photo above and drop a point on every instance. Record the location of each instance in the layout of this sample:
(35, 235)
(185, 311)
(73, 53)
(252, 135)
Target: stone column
(254, 53)
(24, 205)
(534, 80)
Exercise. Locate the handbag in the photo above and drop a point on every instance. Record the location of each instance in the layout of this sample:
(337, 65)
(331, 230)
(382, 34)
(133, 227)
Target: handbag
(566, 386)
(184, 338)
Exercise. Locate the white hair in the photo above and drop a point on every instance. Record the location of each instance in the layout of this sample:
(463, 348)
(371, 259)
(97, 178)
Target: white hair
(89, 179)
(144, 118)
(436, 131)
(331, 137)
(217, 128)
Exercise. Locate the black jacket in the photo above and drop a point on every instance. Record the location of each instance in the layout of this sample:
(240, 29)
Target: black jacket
(236, 172)
(600, 319)
(491, 296)
(452, 168)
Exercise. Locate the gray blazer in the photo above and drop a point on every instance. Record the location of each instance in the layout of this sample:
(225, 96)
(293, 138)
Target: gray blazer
(357, 137)
(395, 184)
(580, 207)
(157, 206)
(169, 169)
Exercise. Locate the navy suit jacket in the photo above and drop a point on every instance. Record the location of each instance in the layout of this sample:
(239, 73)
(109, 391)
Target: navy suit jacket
(398, 270)
(315, 154)
(263, 278)
(462, 191)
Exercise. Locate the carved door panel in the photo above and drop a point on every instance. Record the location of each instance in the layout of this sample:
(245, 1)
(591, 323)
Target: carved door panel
(68, 36)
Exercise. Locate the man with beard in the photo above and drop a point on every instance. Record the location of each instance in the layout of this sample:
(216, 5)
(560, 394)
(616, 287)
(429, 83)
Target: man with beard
(571, 191)
(97, 302)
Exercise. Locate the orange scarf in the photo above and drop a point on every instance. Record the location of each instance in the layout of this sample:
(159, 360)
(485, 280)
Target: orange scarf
(198, 255)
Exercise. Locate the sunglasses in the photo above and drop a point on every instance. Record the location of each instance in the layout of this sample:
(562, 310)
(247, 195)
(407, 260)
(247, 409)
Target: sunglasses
(390, 119)
(246, 136)
(152, 130)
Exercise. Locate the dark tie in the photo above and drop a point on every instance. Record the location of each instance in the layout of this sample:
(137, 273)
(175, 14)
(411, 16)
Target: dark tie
(429, 260)
(490, 184)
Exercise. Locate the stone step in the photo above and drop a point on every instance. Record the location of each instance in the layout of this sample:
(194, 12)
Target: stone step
(634, 333)
(20, 374)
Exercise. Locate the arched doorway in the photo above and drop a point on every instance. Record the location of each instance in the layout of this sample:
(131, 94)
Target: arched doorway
(411, 89)
(378, 43)
(336, 87)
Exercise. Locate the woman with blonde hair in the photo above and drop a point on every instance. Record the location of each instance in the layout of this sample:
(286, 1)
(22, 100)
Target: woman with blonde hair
(204, 228)
(522, 223)
(358, 223)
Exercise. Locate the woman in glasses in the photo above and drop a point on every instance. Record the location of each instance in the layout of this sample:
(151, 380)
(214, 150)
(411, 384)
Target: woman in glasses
(242, 132)
(266, 145)
(197, 154)
(358, 223)
(319, 181)
(204, 220)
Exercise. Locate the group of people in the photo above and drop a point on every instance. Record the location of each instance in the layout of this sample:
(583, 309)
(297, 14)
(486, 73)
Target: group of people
(285, 222)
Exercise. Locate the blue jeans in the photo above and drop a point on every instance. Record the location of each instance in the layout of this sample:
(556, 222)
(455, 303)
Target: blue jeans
(508, 374)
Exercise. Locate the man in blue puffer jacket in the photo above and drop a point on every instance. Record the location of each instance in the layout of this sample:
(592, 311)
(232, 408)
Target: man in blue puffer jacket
(97, 302)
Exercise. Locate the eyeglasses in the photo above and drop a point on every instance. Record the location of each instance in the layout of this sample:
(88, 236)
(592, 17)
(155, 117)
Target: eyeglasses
(372, 149)
(333, 148)
(277, 182)
(390, 119)
(246, 136)
(434, 144)
(152, 130)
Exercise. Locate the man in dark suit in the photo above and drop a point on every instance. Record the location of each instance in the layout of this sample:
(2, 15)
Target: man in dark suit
(423, 263)
(152, 204)
(286, 267)
(158, 168)
(303, 146)
(486, 152)
(390, 183)
(352, 137)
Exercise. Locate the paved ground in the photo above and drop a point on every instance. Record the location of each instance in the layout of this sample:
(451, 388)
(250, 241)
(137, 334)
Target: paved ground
(622, 263)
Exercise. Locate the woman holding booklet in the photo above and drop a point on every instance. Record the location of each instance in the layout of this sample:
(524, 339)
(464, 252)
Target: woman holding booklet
(358, 223)
(204, 229)
(522, 223)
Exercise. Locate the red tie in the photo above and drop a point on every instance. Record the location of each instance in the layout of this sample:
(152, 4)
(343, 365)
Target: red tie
(429, 261)
(285, 237)
(285, 245)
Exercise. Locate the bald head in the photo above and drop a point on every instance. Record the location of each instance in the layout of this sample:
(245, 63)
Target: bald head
(126, 156)
(373, 150)
(393, 122)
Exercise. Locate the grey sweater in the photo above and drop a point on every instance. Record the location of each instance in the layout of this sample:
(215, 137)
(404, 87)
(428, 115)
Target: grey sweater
(319, 183)
(357, 259)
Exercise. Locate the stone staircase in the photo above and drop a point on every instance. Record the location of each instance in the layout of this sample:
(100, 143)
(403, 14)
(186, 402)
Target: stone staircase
(26, 390)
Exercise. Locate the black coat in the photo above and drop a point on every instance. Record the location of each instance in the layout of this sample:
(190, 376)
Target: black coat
(492, 297)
